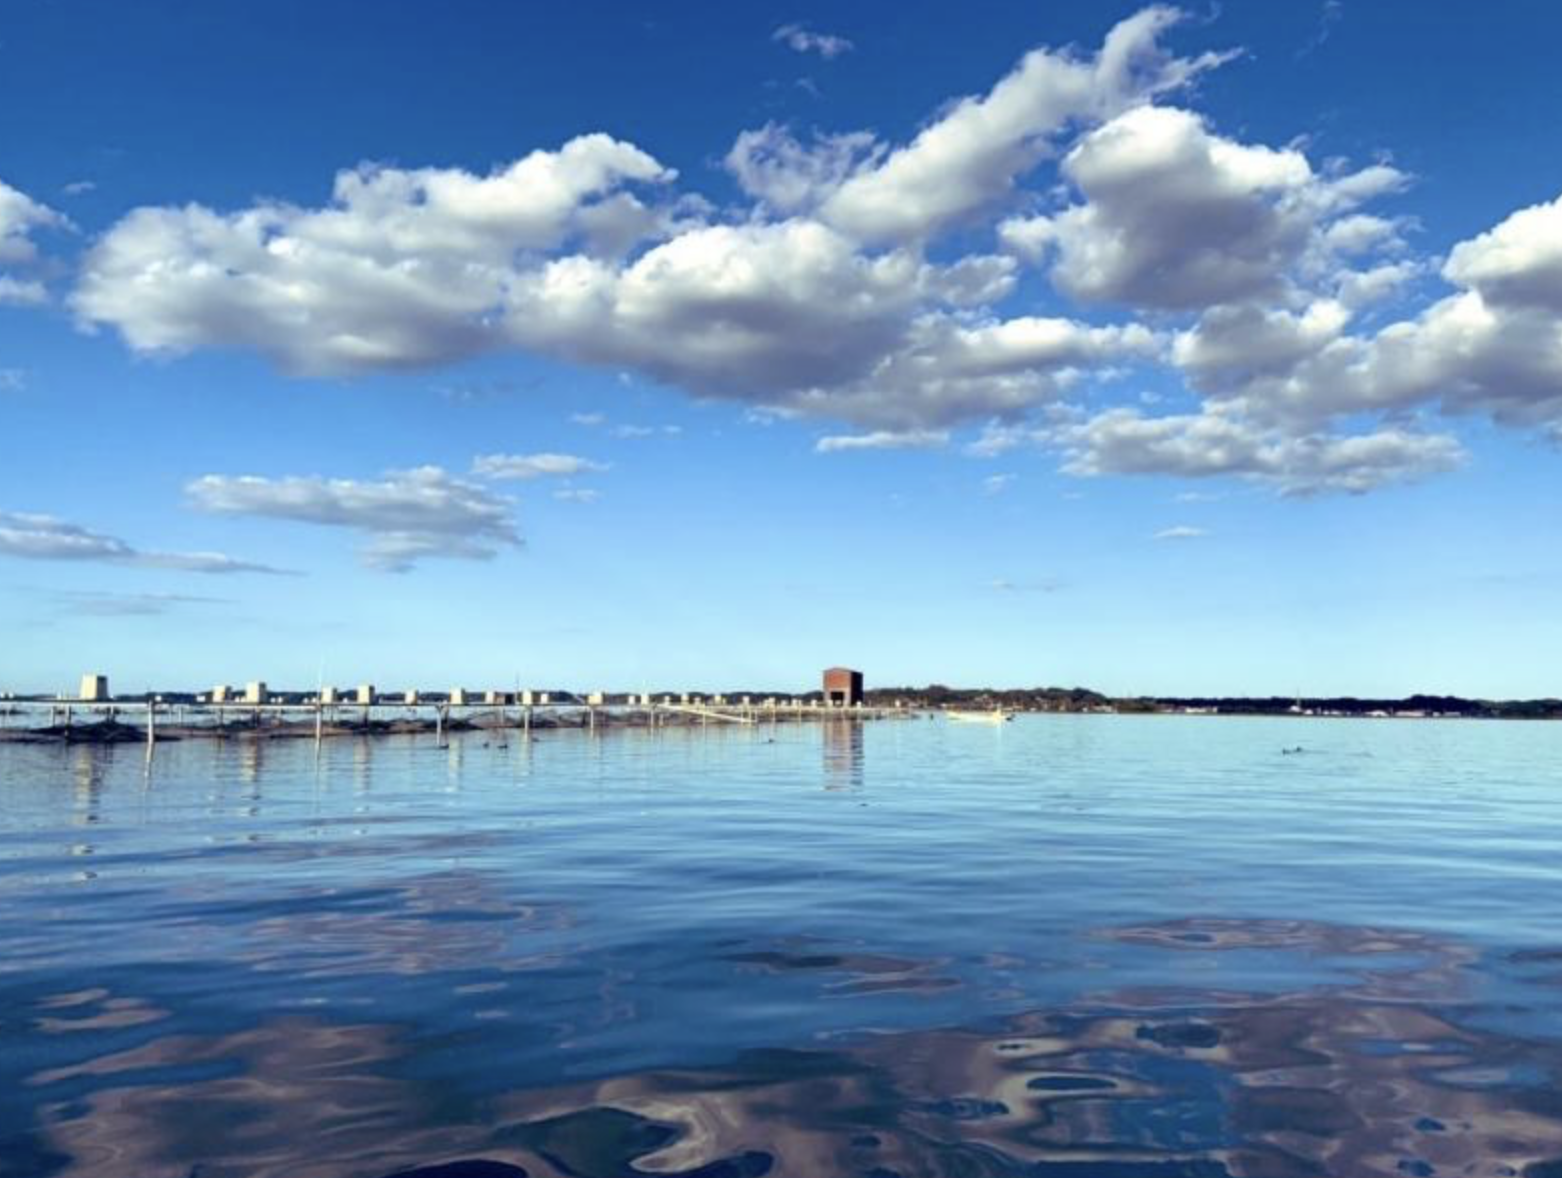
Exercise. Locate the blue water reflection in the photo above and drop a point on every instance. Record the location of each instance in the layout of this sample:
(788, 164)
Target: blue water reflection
(1072, 945)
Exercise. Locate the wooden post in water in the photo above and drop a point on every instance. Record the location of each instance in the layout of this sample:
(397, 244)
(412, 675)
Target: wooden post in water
(151, 727)
(439, 724)
(319, 720)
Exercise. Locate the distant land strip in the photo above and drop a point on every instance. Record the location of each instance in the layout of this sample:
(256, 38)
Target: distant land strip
(1081, 699)
(933, 697)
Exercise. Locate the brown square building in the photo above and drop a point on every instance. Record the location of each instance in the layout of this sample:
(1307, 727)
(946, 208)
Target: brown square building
(842, 687)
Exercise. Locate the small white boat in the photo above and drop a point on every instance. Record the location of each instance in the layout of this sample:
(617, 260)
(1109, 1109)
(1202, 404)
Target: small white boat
(996, 716)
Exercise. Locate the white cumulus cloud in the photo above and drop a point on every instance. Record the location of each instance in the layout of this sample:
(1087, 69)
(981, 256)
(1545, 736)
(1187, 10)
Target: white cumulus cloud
(1518, 263)
(801, 39)
(954, 369)
(407, 516)
(1176, 217)
(890, 285)
(99, 604)
(533, 466)
(45, 537)
(1208, 444)
(1492, 348)
(404, 267)
(882, 440)
(20, 217)
(971, 157)
(819, 300)
(789, 176)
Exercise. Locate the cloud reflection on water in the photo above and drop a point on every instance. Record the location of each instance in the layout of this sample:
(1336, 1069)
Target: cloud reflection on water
(435, 921)
(1390, 1074)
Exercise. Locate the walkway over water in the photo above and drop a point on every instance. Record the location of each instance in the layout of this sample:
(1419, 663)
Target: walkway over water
(123, 721)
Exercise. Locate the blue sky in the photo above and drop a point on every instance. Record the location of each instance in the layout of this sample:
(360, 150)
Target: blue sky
(1213, 351)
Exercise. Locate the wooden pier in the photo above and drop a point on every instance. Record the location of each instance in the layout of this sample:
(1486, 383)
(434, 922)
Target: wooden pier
(137, 720)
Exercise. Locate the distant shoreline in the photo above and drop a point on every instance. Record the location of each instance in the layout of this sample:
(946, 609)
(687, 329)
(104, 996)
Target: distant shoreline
(257, 725)
(933, 698)
(1419, 706)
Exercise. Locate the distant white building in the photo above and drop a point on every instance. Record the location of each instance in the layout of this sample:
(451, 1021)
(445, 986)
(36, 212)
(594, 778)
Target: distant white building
(365, 693)
(94, 688)
(255, 692)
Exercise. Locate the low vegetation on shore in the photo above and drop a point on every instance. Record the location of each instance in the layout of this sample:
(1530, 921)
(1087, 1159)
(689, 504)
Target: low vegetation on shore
(1081, 699)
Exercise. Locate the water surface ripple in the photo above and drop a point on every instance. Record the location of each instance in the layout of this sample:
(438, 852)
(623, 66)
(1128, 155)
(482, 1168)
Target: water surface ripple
(1094, 946)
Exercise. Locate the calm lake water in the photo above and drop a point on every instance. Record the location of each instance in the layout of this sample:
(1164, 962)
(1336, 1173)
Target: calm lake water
(1077, 945)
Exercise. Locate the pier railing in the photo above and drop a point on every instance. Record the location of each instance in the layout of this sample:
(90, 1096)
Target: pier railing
(124, 720)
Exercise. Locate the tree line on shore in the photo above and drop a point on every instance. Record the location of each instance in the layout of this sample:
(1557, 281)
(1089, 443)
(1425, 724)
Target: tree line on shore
(1082, 699)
